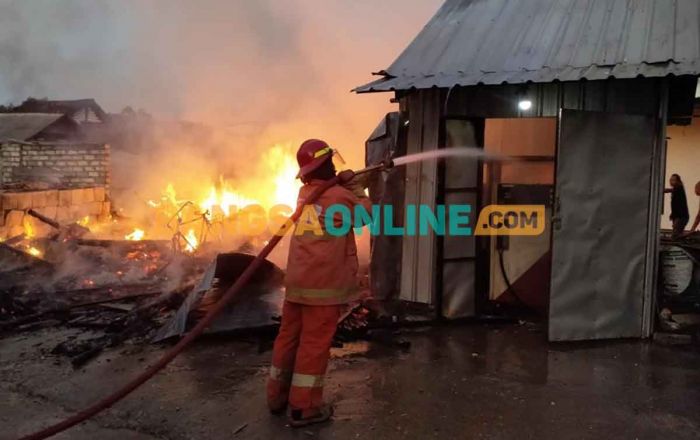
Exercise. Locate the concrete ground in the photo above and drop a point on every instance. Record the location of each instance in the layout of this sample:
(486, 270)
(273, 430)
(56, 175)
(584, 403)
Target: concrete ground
(455, 382)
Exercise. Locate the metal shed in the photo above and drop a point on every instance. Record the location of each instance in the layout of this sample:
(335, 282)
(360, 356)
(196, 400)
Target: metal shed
(603, 77)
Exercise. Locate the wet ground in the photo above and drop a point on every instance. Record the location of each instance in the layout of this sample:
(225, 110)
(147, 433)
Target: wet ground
(455, 382)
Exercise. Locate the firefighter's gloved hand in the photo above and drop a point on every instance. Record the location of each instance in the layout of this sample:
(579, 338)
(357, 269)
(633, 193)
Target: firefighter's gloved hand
(346, 176)
(363, 180)
(356, 183)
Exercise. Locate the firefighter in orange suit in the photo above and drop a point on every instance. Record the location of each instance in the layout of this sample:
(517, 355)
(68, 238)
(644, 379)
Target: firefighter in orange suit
(321, 277)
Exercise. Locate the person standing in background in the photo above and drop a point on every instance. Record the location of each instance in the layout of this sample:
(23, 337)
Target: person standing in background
(696, 223)
(680, 216)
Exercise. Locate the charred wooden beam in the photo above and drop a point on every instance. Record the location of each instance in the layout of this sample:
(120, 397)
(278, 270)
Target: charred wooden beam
(43, 218)
(29, 258)
(63, 310)
(14, 240)
(71, 232)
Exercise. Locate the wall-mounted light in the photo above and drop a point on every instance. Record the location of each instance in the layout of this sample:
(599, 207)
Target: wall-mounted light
(525, 105)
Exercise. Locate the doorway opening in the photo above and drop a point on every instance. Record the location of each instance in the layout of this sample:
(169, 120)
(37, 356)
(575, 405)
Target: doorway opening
(520, 266)
(678, 301)
(479, 273)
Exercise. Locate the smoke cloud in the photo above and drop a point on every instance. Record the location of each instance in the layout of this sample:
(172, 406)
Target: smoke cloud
(277, 71)
(257, 73)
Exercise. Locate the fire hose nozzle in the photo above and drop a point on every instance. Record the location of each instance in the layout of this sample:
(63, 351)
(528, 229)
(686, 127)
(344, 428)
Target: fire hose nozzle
(381, 166)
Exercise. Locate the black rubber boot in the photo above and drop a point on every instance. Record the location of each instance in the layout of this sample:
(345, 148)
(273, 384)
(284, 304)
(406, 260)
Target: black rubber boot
(297, 420)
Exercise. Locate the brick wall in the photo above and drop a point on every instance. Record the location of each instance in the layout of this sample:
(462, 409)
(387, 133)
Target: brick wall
(71, 165)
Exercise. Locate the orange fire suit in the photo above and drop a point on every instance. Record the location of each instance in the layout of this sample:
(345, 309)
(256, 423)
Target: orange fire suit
(321, 278)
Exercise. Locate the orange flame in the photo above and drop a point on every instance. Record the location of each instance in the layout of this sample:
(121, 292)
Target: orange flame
(283, 168)
(29, 231)
(224, 199)
(192, 242)
(136, 235)
(272, 181)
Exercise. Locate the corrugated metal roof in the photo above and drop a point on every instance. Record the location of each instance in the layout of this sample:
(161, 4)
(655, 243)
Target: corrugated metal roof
(23, 126)
(471, 42)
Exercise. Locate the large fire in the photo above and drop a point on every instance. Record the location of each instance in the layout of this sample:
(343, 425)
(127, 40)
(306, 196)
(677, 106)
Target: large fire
(223, 200)
(277, 185)
(196, 211)
(284, 170)
(273, 182)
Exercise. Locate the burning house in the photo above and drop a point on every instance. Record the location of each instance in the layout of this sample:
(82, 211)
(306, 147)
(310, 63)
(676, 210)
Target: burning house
(46, 164)
(580, 95)
(58, 245)
(64, 243)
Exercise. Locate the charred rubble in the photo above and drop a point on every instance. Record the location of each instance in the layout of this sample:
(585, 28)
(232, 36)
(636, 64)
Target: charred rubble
(139, 291)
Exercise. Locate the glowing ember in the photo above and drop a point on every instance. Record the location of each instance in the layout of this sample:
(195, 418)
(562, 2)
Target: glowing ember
(84, 221)
(192, 241)
(34, 252)
(136, 235)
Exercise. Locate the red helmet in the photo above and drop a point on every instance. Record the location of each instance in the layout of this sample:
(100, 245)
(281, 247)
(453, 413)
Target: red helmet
(311, 155)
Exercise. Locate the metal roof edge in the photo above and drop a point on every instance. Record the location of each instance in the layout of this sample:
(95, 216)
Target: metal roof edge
(569, 74)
